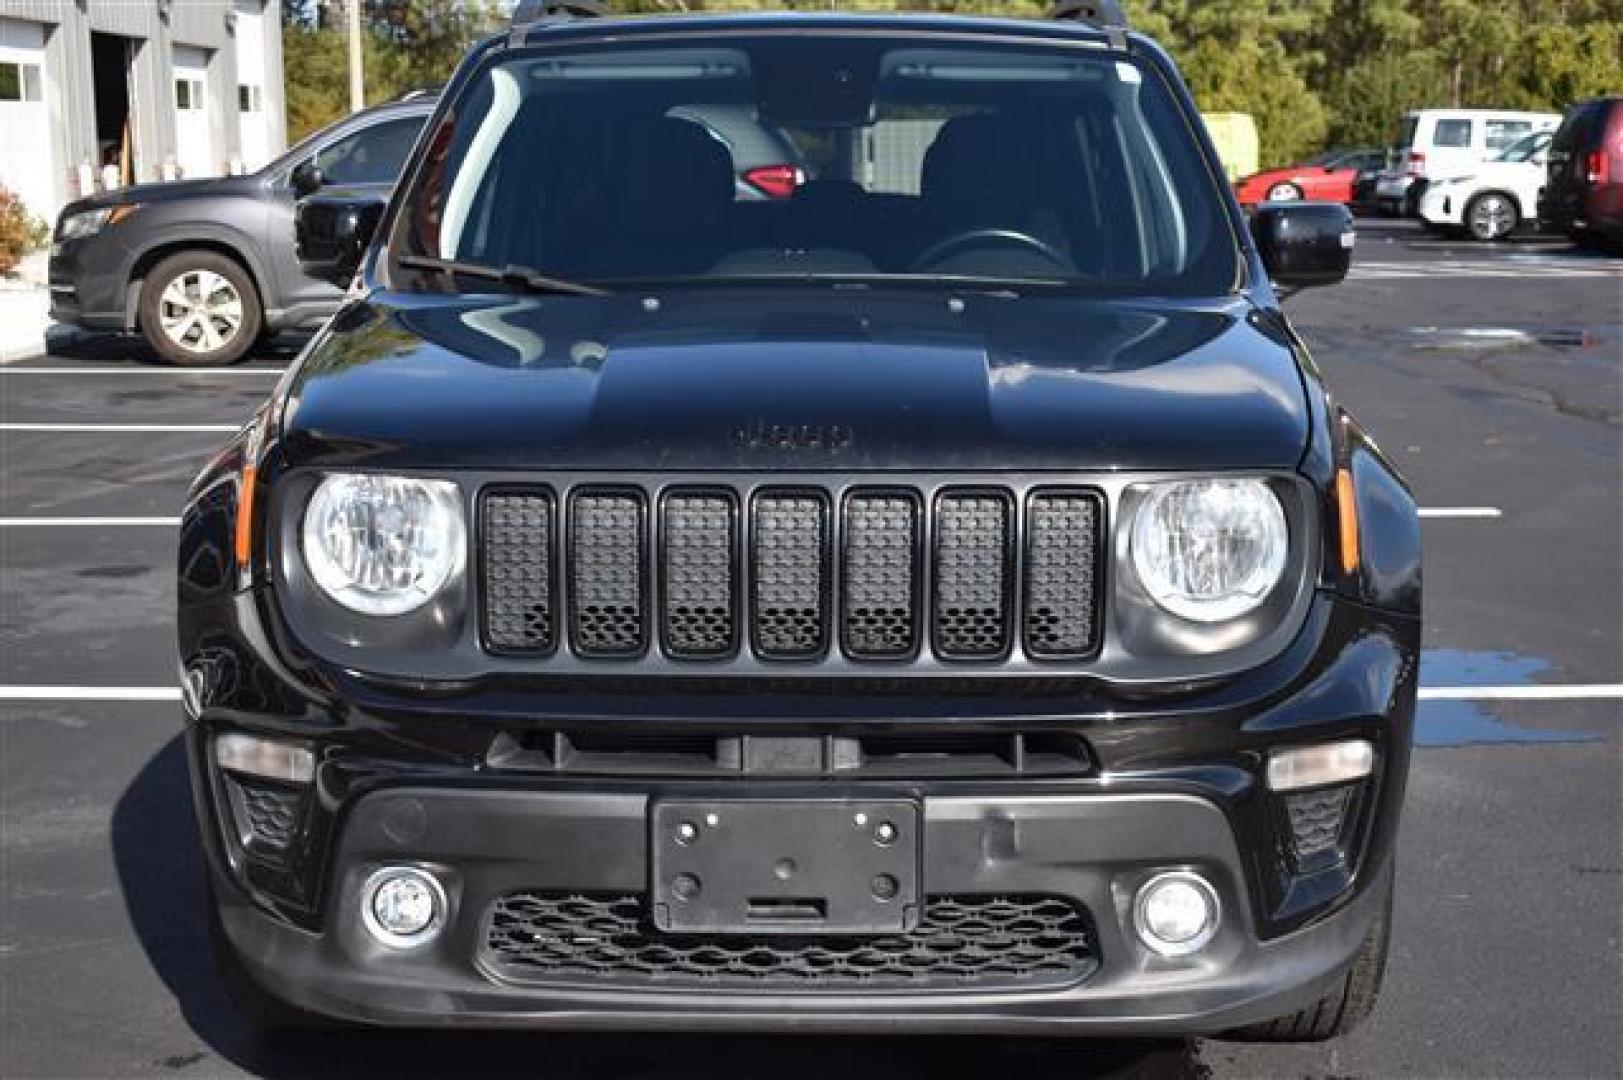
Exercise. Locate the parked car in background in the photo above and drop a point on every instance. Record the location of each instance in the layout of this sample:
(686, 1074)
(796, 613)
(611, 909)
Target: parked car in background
(1436, 144)
(1494, 199)
(204, 268)
(1583, 194)
(1328, 177)
(1363, 193)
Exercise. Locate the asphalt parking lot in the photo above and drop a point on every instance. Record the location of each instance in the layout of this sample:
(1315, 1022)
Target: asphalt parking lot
(1493, 375)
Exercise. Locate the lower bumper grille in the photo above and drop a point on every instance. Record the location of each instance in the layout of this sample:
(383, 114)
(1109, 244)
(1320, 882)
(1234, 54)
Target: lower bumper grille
(979, 942)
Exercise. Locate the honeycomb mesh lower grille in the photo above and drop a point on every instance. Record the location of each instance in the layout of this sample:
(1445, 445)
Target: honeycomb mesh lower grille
(879, 575)
(606, 574)
(517, 571)
(1316, 821)
(697, 602)
(971, 567)
(984, 942)
(1061, 551)
(789, 548)
(266, 814)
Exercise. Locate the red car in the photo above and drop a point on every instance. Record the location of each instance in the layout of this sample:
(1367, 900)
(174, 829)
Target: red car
(1328, 177)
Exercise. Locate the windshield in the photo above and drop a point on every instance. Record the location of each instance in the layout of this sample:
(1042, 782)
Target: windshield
(907, 162)
(1525, 148)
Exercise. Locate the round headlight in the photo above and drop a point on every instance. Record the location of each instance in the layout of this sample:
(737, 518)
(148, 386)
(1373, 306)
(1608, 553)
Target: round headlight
(1210, 550)
(383, 545)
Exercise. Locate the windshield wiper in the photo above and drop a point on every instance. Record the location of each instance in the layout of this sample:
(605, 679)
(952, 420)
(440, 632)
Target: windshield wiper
(512, 275)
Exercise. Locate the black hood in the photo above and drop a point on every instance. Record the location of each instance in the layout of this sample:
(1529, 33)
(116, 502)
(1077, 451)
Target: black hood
(796, 379)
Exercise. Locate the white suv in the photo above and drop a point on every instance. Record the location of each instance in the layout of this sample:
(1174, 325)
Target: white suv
(1495, 197)
(1436, 144)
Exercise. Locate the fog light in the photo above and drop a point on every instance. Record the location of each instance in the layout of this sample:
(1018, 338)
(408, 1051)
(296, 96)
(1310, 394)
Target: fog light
(403, 906)
(1176, 913)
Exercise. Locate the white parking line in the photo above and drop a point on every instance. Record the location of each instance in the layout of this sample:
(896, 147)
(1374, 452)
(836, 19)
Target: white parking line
(111, 522)
(89, 693)
(1461, 512)
(5, 370)
(119, 428)
(1571, 692)
(1574, 692)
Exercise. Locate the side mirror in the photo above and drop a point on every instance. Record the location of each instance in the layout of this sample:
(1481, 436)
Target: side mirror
(306, 179)
(333, 231)
(1304, 244)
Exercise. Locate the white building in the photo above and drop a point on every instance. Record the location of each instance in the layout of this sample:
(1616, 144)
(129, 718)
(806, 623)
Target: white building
(94, 93)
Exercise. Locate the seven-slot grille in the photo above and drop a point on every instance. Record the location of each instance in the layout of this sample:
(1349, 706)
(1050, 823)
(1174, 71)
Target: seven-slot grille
(876, 574)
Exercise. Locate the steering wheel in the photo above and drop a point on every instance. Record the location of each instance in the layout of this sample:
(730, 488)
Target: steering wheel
(978, 237)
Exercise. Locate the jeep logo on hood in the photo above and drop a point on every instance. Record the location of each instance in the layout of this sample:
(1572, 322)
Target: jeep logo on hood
(760, 435)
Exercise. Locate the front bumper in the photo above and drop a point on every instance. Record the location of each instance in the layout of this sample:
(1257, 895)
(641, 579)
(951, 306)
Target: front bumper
(89, 284)
(1171, 782)
(1094, 848)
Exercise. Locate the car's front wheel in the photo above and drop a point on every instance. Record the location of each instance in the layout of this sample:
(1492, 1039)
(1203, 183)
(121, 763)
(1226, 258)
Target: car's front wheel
(1284, 193)
(1353, 998)
(200, 309)
(1491, 216)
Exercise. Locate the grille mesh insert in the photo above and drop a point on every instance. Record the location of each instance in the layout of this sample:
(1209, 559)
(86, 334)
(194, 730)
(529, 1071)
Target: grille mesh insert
(1316, 819)
(266, 814)
(880, 543)
(789, 549)
(606, 573)
(517, 571)
(1062, 535)
(697, 605)
(971, 575)
(962, 941)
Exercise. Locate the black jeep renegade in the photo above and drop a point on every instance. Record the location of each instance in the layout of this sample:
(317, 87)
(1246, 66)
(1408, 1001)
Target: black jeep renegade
(944, 598)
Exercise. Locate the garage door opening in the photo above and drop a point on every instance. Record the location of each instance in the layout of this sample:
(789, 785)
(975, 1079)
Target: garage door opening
(112, 59)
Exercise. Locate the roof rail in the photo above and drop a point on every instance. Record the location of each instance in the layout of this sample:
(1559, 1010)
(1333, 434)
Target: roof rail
(528, 11)
(1105, 14)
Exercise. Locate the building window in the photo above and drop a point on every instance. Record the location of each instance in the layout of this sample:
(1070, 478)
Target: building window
(189, 95)
(249, 99)
(19, 82)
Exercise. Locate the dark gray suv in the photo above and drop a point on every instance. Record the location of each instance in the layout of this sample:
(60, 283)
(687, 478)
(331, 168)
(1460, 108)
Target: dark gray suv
(203, 268)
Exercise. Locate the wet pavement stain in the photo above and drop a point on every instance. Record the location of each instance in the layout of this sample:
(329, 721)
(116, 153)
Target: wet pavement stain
(1473, 723)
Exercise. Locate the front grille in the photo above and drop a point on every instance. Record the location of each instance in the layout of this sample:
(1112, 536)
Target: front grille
(879, 572)
(978, 942)
(606, 574)
(972, 605)
(789, 569)
(881, 575)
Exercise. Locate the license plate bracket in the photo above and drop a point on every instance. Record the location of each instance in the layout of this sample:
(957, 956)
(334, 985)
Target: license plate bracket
(785, 866)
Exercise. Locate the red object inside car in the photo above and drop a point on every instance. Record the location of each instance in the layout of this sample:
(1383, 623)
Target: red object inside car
(777, 181)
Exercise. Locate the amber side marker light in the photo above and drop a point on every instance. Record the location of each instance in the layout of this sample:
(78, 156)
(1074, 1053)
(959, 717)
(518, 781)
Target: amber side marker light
(1346, 518)
(245, 514)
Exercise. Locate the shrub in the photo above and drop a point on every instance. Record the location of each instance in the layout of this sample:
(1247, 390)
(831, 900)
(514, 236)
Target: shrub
(20, 231)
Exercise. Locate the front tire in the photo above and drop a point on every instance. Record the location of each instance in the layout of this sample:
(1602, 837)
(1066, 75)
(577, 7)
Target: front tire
(200, 309)
(1349, 1004)
(1284, 193)
(1491, 216)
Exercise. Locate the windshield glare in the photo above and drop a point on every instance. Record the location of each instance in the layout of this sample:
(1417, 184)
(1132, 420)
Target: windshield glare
(805, 159)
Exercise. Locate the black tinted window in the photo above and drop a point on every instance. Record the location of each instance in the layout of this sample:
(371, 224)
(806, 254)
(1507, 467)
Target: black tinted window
(1452, 133)
(373, 155)
(921, 160)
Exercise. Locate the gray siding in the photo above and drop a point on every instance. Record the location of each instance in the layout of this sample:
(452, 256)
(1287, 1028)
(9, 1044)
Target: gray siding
(154, 30)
